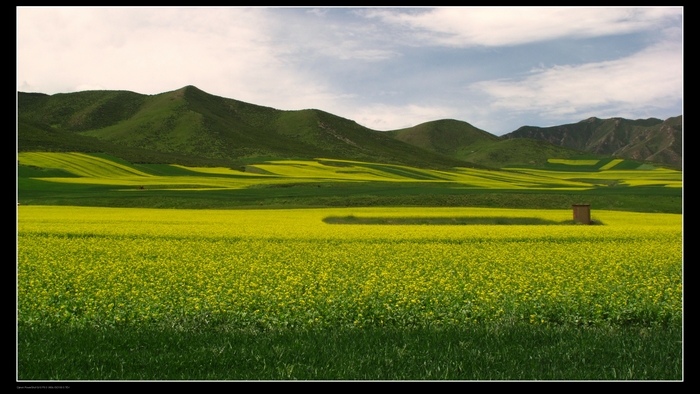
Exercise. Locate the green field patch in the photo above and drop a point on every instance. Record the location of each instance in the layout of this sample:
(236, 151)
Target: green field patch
(574, 162)
(353, 172)
(598, 181)
(647, 167)
(175, 186)
(654, 183)
(611, 164)
(39, 172)
(405, 172)
(79, 164)
(246, 171)
(335, 163)
(634, 165)
(256, 170)
(165, 170)
(616, 177)
(461, 220)
(289, 185)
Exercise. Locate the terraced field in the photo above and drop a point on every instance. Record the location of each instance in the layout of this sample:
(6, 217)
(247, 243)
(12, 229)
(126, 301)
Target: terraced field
(88, 169)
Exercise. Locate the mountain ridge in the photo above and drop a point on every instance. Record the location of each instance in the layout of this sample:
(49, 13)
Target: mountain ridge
(195, 127)
(192, 122)
(649, 139)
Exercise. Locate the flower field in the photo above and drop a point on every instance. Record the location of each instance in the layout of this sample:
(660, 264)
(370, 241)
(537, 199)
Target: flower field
(93, 267)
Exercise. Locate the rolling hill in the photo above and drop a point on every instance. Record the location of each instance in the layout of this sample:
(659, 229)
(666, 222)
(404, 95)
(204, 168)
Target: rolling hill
(465, 142)
(205, 128)
(449, 137)
(191, 127)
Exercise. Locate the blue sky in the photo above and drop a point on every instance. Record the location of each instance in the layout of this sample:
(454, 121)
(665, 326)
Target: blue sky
(386, 68)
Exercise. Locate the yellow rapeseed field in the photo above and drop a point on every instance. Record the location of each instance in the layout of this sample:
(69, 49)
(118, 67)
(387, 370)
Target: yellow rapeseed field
(287, 268)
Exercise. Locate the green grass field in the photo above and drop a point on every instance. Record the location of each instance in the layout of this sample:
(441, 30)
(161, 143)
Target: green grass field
(346, 270)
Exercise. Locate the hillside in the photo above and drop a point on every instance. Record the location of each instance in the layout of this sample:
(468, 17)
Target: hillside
(465, 142)
(643, 139)
(523, 152)
(190, 122)
(449, 137)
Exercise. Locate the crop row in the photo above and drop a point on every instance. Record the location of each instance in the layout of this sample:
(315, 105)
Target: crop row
(88, 169)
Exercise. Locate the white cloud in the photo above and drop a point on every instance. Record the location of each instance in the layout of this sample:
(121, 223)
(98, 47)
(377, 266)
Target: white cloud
(652, 78)
(455, 26)
(224, 51)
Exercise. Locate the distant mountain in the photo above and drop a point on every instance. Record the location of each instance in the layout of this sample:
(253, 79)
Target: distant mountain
(463, 141)
(191, 127)
(643, 139)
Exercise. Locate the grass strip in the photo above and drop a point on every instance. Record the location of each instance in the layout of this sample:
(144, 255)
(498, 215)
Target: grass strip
(479, 352)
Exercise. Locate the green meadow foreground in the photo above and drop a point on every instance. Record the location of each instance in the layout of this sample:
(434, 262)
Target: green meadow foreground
(117, 293)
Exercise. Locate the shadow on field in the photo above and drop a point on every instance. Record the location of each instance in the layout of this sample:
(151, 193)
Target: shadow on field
(465, 220)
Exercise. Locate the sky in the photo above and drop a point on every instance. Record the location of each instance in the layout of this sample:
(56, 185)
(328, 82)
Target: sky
(497, 68)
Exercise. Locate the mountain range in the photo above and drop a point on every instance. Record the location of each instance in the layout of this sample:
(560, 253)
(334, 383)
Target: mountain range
(191, 127)
(650, 139)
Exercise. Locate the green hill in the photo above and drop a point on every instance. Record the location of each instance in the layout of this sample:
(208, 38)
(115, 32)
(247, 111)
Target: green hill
(191, 123)
(465, 142)
(191, 127)
(448, 137)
